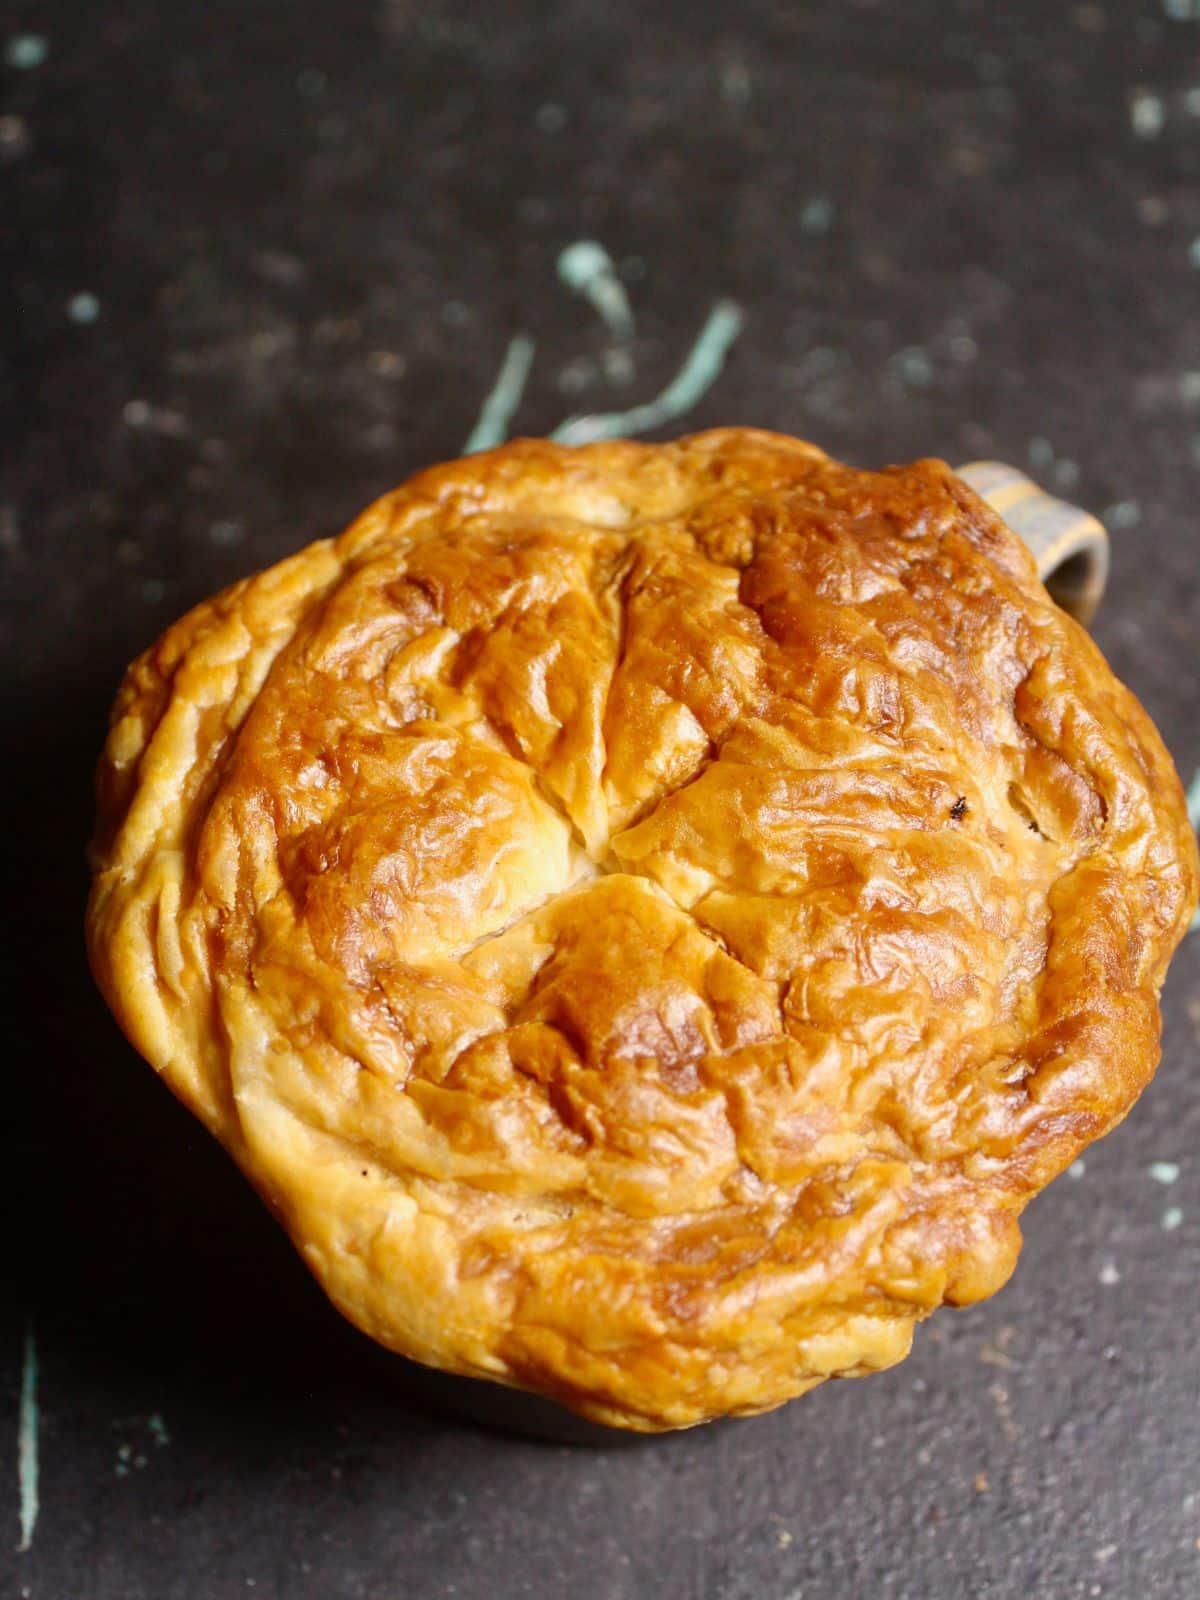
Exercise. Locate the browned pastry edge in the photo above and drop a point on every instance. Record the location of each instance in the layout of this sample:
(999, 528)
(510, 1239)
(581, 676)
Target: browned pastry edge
(646, 918)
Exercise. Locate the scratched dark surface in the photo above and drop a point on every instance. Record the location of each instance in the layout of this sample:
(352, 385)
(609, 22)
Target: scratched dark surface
(309, 230)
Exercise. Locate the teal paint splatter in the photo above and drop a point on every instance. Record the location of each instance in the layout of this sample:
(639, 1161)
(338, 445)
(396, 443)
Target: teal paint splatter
(157, 1429)
(689, 386)
(1193, 801)
(27, 1441)
(497, 411)
(25, 51)
(586, 268)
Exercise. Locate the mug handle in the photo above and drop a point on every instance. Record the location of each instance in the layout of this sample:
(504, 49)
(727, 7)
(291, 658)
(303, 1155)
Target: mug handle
(1069, 545)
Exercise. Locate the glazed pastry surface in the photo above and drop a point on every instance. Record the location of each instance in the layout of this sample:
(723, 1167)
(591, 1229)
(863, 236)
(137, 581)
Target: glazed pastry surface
(646, 918)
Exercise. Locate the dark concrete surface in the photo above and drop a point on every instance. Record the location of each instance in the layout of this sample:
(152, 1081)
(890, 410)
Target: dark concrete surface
(263, 258)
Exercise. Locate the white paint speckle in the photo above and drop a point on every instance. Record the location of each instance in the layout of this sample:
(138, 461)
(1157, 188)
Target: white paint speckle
(1077, 1168)
(1191, 102)
(817, 215)
(1110, 1274)
(534, 211)
(14, 137)
(619, 366)
(735, 81)
(1066, 473)
(83, 308)
(1105, 1553)
(1164, 1171)
(551, 118)
(1147, 114)
(388, 364)
(1153, 210)
(1090, 18)
(1172, 1218)
(157, 419)
(578, 374)
(912, 366)
(125, 1460)
(1194, 252)
(1124, 514)
(1041, 453)
(267, 342)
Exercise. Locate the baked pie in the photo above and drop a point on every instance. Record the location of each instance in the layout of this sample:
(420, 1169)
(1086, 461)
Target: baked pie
(646, 918)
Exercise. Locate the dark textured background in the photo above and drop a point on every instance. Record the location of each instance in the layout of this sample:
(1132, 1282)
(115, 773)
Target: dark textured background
(309, 230)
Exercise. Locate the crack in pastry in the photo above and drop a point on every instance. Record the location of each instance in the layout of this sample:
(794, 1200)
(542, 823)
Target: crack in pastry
(646, 918)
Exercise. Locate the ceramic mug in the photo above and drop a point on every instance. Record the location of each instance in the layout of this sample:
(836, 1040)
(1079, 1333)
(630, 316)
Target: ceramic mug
(1069, 545)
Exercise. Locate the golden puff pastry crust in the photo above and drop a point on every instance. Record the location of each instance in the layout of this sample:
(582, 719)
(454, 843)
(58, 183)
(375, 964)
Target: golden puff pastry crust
(646, 917)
